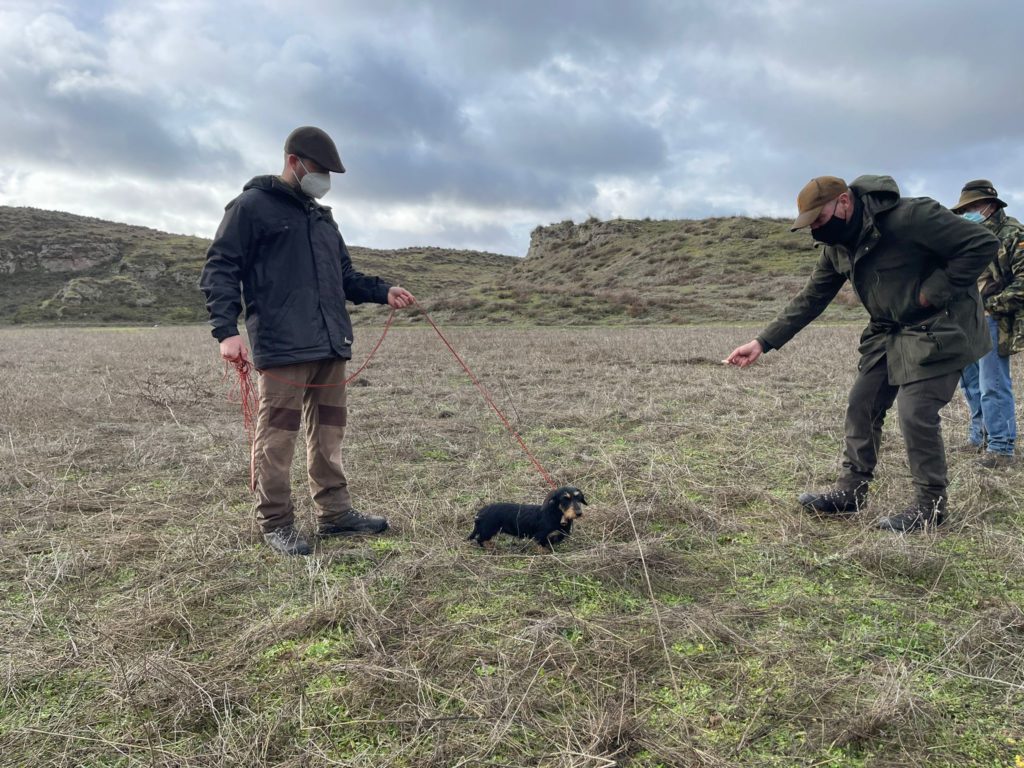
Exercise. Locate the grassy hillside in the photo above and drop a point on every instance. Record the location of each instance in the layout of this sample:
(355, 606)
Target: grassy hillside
(671, 271)
(58, 267)
(696, 618)
(61, 267)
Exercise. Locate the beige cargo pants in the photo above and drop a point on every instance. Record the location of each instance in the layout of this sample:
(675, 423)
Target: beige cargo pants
(283, 407)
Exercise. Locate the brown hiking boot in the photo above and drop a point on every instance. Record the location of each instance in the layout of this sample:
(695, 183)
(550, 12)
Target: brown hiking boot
(836, 501)
(919, 516)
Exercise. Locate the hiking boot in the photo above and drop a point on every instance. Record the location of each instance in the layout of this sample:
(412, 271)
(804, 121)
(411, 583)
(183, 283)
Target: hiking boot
(352, 522)
(287, 541)
(992, 460)
(835, 501)
(917, 517)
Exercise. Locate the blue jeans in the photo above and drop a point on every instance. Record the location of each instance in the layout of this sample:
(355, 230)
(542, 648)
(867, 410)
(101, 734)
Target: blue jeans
(989, 393)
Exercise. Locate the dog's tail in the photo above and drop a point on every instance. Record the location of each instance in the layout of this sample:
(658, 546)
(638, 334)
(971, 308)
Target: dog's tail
(475, 535)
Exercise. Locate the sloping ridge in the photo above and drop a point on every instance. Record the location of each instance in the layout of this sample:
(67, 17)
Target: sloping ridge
(60, 267)
(649, 271)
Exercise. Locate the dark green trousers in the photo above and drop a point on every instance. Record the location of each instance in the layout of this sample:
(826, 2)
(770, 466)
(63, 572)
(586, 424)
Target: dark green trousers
(919, 404)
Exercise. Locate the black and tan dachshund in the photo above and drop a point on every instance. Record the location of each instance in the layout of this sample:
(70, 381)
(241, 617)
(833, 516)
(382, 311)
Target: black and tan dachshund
(545, 524)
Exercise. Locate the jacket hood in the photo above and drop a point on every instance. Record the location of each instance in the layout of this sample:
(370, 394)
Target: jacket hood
(274, 185)
(879, 193)
(269, 183)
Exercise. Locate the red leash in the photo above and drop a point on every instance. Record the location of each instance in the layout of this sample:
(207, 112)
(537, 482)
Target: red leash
(249, 396)
(250, 400)
(302, 385)
(489, 399)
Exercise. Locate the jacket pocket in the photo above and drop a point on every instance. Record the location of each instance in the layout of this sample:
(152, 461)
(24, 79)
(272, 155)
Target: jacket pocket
(937, 289)
(935, 340)
(1015, 342)
(275, 231)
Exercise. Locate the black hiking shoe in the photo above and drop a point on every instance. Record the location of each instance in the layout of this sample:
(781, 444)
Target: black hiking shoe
(351, 523)
(835, 501)
(287, 541)
(919, 516)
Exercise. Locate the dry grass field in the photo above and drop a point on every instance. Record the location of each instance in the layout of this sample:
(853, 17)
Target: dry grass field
(696, 617)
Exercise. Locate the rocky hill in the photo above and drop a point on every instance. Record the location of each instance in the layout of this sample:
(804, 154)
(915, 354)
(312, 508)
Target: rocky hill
(58, 267)
(669, 271)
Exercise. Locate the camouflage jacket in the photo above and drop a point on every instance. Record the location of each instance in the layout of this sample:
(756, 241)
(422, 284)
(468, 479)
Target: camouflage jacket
(1002, 282)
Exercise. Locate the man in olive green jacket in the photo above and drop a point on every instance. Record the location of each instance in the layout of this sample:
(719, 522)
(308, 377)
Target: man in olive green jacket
(914, 266)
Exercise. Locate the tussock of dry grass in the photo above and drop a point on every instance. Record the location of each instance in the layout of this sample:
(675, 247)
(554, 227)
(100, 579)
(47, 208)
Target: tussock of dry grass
(695, 617)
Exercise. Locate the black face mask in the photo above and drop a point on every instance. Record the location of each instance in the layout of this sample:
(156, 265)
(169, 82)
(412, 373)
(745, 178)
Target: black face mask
(831, 232)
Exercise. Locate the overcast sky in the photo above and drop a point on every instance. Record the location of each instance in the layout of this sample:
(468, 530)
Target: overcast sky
(466, 123)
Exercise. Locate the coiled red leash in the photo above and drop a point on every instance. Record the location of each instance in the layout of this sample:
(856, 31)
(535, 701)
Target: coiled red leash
(245, 388)
(249, 396)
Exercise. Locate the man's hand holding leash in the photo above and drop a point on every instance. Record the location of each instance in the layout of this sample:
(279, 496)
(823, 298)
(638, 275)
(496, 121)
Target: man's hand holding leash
(233, 350)
(399, 298)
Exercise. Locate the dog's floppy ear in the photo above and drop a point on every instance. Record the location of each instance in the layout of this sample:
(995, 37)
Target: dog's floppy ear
(583, 499)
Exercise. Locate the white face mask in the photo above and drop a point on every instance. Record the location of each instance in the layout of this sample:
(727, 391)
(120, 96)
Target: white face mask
(314, 184)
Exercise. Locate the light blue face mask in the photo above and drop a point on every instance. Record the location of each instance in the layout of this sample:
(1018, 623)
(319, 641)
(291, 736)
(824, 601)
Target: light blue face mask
(974, 216)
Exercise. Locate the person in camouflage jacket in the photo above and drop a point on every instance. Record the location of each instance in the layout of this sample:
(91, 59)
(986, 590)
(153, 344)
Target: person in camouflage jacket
(986, 383)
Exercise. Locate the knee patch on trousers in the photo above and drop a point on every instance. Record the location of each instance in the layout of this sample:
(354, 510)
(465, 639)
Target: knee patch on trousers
(284, 418)
(332, 415)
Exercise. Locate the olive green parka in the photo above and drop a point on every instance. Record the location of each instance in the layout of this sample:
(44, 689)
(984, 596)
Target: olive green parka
(908, 247)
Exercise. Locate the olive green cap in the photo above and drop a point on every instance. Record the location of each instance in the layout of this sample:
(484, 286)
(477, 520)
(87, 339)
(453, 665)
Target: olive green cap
(974, 191)
(816, 194)
(315, 144)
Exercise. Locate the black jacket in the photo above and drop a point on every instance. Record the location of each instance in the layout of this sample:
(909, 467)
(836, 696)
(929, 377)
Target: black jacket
(283, 252)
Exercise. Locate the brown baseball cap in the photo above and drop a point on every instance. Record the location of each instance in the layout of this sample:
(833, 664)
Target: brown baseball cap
(815, 195)
(315, 144)
(973, 191)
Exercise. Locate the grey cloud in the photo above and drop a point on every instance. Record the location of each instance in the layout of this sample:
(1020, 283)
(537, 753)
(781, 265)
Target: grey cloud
(515, 36)
(578, 141)
(470, 110)
(403, 174)
(94, 132)
(65, 110)
(378, 95)
(366, 97)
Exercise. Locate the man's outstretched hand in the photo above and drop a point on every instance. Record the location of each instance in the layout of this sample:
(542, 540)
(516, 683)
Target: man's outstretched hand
(745, 355)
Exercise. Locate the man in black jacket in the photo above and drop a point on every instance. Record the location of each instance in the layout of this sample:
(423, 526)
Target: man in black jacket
(282, 251)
